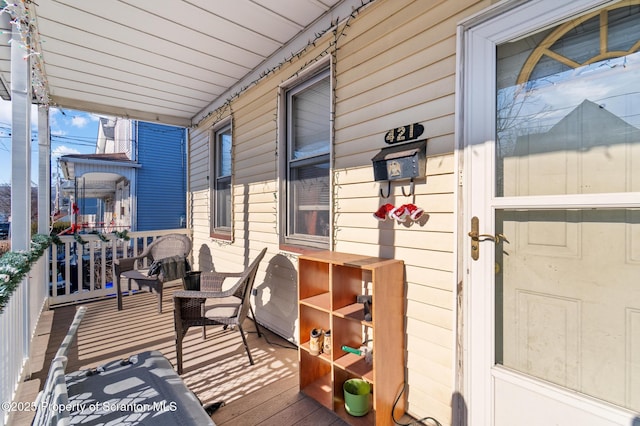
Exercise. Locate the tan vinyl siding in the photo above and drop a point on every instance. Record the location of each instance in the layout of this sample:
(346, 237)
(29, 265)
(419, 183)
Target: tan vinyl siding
(198, 199)
(396, 65)
(199, 160)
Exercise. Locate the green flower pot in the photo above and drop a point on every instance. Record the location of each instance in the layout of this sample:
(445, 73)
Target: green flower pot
(356, 396)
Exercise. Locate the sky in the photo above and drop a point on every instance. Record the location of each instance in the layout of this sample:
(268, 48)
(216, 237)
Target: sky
(72, 132)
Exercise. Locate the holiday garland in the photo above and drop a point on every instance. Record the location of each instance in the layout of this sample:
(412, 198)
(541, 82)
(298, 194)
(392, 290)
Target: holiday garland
(14, 265)
(122, 235)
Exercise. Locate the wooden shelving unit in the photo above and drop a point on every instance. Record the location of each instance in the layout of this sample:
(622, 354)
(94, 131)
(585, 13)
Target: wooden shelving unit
(328, 284)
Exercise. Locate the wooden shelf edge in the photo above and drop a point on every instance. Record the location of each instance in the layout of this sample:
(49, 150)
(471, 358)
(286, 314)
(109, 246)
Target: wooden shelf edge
(356, 366)
(321, 302)
(305, 347)
(353, 312)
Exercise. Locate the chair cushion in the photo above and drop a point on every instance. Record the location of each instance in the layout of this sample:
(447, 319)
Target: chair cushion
(222, 309)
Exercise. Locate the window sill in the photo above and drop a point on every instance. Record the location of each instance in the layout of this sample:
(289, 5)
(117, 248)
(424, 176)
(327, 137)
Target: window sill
(221, 236)
(298, 249)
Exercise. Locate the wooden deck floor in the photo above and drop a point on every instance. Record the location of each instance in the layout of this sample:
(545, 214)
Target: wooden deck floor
(216, 369)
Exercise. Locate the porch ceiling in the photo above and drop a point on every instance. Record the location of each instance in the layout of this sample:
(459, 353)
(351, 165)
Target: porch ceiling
(170, 61)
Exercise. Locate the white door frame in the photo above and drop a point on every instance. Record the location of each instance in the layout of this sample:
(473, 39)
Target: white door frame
(475, 133)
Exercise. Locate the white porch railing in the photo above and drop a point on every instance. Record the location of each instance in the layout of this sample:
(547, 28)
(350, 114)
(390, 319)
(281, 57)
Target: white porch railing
(85, 271)
(71, 284)
(17, 326)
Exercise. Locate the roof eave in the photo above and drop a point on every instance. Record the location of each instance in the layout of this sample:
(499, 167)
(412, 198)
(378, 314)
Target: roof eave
(80, 105)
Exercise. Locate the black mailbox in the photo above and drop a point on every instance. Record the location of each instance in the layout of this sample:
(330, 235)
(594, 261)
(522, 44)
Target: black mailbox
(406, 161)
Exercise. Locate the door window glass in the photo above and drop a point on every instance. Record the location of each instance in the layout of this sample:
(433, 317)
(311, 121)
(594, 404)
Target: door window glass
(567, 107)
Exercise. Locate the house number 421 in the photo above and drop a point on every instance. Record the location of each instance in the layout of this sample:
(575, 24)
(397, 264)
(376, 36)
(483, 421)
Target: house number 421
(404, 133)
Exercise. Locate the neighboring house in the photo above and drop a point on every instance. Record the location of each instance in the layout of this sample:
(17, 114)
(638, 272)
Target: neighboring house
(162, 181)
(138, 176)
(521, 275)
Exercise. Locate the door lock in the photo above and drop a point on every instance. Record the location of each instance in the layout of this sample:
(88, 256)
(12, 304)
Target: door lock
(476, 238)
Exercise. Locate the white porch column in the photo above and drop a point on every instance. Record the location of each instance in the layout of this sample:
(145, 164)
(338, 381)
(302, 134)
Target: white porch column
(20, 146)
(44, 170)
(21, 170)
(44, 190)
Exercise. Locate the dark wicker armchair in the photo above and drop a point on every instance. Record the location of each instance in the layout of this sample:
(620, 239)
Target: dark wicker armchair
(172, 248)
(212, 306)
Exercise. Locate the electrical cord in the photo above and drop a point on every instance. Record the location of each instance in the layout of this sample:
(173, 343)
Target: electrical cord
(291, 346)
(415, 422)
(266, 338)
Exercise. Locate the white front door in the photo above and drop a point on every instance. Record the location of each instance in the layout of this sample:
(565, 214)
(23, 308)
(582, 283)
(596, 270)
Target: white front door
(551, 140)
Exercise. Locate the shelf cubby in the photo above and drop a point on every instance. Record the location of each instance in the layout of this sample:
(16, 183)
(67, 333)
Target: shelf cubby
(317, 381)
(311, 318)
(340, 378)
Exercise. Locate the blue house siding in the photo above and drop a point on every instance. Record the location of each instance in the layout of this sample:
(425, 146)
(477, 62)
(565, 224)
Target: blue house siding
(161, 182)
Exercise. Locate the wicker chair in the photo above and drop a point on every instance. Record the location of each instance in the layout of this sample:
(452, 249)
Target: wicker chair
(213, 306)
(172, 247)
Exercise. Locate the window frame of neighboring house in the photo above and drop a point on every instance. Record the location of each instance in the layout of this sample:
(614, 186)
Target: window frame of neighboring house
(218, 230)
(290, 217)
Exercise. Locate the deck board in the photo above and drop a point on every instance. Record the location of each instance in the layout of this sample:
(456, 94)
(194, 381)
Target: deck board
(216, 369)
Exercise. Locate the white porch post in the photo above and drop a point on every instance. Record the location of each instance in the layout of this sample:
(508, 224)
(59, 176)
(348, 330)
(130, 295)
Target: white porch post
(21, 165)
(20, 146)
(44, 188)
(44, 170)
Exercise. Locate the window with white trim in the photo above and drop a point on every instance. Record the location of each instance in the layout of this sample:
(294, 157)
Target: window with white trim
(220, 182)
(306, 174)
